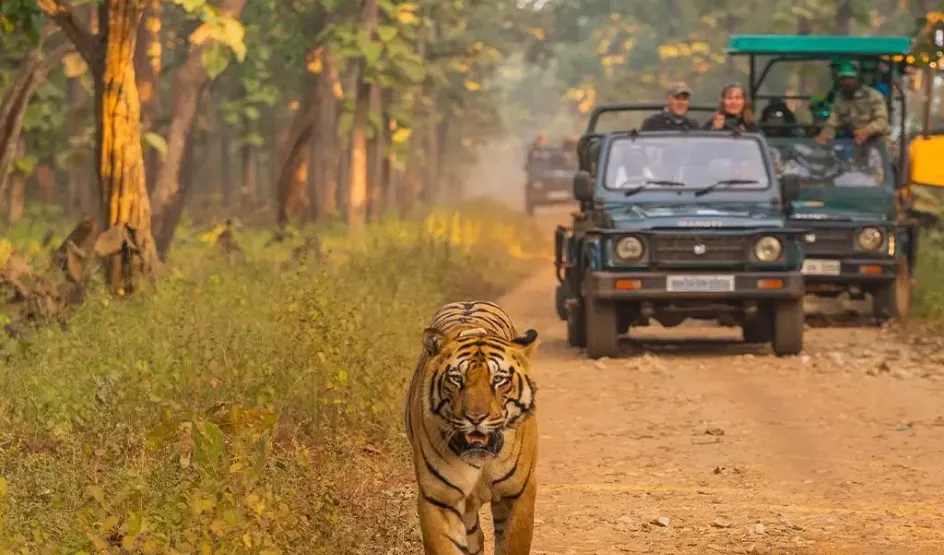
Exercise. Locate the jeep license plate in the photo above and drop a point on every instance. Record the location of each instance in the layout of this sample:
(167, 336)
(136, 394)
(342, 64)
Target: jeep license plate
(700, 284)
(821, 267)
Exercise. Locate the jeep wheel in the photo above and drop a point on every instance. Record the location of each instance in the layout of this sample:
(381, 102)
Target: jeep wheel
(788, 328)
(576, 324)
(758, 329)
(560, 302)
(892, 300)
(601, 329)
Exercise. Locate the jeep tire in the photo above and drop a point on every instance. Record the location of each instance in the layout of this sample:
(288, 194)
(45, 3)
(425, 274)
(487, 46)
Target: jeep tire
(602, 333)
(787, 330)
(560, 301)
(576, 324)
(893, 299)
(758, 328)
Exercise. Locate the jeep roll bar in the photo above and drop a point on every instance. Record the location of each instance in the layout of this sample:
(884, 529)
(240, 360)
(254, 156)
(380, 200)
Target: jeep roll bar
(636, 107)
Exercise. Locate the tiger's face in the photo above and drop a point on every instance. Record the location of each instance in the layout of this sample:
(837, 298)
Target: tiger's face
(480, 387)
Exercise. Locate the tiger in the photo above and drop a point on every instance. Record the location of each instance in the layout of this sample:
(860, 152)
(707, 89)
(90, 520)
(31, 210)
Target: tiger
(470, 420)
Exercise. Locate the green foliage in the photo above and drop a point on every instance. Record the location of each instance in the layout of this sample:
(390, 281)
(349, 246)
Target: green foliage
(929, 293)
(223, 35)
(21, 15)
(604, 52)
(220, 413)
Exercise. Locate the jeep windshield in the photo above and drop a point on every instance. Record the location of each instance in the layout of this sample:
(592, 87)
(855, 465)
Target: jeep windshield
(552, 161)
(685, 164)
(840, 163)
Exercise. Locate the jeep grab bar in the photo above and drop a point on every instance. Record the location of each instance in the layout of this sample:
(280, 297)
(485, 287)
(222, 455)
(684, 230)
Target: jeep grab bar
(637, 107)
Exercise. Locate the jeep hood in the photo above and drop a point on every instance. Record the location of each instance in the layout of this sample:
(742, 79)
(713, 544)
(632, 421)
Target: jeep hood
(844, 204)
(646, 216)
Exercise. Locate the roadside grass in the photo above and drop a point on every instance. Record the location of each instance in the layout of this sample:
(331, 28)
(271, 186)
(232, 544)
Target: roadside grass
(929, 292)
(250, 403)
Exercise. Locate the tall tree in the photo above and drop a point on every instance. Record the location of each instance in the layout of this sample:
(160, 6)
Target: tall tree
(357, 197)
(191, 79)
(127, 244)
(15, 100)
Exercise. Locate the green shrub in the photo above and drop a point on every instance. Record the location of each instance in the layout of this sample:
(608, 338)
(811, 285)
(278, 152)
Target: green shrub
(243, 406)
(929, 293)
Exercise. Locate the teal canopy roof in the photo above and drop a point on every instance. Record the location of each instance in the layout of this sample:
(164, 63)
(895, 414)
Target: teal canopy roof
(817, 45)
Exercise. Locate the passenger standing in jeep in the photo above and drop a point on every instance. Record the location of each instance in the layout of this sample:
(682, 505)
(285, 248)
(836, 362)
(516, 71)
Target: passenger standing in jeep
(674, 116)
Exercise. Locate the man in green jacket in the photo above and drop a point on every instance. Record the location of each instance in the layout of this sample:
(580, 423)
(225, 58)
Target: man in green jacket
(859, 108)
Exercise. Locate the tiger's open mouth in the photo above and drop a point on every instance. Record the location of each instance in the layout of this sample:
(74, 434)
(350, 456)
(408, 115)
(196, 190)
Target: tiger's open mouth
(477, 444)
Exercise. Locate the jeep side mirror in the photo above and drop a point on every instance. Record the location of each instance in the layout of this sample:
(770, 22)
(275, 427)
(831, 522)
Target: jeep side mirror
(790, 186)
(583, 187)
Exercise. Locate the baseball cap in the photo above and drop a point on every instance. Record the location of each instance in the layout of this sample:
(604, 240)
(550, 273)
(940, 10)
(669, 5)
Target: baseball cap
(837, 61)
(679, 88)
(847, 69)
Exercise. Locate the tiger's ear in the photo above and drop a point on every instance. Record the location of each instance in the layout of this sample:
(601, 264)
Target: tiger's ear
(528, 341)
(433, 340)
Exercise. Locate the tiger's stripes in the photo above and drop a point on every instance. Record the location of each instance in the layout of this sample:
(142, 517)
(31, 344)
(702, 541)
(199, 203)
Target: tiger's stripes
(470, 421)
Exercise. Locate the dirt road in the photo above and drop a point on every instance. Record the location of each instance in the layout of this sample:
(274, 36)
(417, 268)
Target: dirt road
(702, 444)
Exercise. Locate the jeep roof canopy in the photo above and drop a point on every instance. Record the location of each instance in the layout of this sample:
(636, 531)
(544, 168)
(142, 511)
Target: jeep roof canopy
(810, 47)
(793, 48)
(817, 46)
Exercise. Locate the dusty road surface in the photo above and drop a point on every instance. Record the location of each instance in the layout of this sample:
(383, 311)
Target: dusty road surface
(695, 443)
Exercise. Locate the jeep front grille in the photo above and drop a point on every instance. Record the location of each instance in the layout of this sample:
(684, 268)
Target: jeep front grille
(693, 248)
(834, 241)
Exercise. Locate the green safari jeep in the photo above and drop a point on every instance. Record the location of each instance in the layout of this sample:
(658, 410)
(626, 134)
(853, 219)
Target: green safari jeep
(676, 225)
(855, 200)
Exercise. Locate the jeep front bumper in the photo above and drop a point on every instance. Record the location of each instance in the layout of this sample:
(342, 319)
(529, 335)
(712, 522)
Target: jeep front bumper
(650, 286)
(822, 274)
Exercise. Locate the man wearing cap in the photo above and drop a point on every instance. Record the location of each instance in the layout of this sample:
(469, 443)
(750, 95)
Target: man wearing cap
(835, 63)
(673, 117)
(857, 107)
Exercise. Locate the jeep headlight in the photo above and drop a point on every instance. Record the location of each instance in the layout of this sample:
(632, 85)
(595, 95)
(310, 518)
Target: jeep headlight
(629, 248)
(870, 239)
(768, 249)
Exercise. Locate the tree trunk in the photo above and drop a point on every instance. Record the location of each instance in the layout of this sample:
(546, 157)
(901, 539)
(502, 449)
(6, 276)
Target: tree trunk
(198, 150)
(375, 147)
(127, 244)
(357, 176)
(226, 164)
(148, 73)
(176, 209)
(357, 198)
(250, 176)
(314, 168)
(45, 184)
(290, 187)
(295, 171)
(844, 15)
(13, 105)
(189, 84)
(326, 167)
(432, 151)
(387, 157)
(807, 84)
(413, 187)
(16, 199)
(79, 173)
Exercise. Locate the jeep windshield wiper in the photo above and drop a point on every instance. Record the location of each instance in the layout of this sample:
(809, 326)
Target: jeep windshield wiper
(650, 182)
(723, 184)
